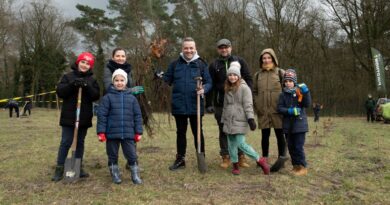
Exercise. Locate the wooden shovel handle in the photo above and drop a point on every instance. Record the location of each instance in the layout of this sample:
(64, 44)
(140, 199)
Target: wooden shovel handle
(76, 126)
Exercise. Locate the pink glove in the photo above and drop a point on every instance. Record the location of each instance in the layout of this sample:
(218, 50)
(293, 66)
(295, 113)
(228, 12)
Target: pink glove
(137, 137)
(102, 137)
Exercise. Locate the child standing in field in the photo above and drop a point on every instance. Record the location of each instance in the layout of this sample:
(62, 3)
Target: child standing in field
(236, 115)
(120, 123)
(81, 76)
(292, 103)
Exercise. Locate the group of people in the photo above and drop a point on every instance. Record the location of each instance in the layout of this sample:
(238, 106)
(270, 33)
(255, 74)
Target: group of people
(231, 93)
(13, 105)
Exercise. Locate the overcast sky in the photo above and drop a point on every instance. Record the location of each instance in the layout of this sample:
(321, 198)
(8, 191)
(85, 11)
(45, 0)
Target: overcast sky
(68, 7)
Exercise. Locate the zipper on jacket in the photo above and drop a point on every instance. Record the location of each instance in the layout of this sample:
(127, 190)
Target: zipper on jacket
(122, 125)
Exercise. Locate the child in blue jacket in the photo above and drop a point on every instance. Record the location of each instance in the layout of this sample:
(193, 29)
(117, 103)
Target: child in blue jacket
(119, 122)
(292, 103)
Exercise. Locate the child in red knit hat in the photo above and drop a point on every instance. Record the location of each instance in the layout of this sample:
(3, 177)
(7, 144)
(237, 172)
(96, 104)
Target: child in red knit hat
(81, 76)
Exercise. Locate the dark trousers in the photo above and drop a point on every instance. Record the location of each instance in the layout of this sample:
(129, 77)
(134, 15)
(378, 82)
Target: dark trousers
(181, 130)
(128, 149)
(27, 110)
(370, 115)
(281, 141)
(316, 116)
(66, 143)
(223, 138)
(11, 107)
(295, 147)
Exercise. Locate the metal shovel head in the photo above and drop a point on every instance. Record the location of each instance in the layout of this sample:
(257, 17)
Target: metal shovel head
(202, 166)
(72, 169)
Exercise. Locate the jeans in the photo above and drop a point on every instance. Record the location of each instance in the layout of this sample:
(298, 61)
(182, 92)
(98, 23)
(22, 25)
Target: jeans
(66, 143)
(223, 139)
(265, 133)
(128, 149)
(295, 147)
(181, 130)
(238, 141)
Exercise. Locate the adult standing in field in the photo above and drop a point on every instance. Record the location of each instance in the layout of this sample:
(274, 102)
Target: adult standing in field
(181, 75)
(119, 60)
(266, 89)
(214, 100)
(370, 107)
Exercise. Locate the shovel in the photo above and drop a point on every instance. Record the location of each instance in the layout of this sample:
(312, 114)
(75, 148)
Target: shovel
(202, 166)
(73, 164)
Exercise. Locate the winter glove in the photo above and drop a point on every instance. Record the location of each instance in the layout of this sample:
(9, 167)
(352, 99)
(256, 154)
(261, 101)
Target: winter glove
(80, 82)
(303, 87)
(159, 74)
(137, 90)
(102, 137)
(137, 137)
(210, 109)
(294, 111)
(252, 124)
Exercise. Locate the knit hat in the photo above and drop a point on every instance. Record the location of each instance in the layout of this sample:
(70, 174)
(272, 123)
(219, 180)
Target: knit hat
(290, 74)
(234, 68)
(87, 57)
(119, 72)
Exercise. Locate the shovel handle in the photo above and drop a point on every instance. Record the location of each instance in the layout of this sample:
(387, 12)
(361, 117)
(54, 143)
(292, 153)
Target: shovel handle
(198, 85)
(76, 126)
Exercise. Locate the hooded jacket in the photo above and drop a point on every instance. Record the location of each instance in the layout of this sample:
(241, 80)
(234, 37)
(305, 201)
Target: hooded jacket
(68, 92)
(266, 89)
(237, 109)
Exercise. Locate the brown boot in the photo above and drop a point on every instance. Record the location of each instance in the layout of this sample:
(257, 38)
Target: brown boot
(225, 161)
(242, 161)
(300, 171)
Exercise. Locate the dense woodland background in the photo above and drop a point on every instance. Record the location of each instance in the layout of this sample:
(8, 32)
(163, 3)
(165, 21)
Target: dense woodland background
(327, 41)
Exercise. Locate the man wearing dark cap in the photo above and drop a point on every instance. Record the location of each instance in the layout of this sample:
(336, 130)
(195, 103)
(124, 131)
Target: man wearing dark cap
(214, 99)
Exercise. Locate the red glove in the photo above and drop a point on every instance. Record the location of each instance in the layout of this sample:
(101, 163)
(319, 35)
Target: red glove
(137, 137)
(102, 137)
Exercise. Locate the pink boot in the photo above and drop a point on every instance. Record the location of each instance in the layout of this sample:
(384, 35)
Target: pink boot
(262, 162)
(236, 169)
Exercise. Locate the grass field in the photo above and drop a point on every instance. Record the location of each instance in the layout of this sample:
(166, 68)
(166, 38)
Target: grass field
(349, 163)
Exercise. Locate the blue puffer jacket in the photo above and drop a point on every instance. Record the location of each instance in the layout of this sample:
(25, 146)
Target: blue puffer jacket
(181, 75)
(298, 123)
(119, 115)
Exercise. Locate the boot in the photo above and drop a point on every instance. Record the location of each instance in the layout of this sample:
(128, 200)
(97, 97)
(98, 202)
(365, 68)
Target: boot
(83, 173)
(225, 161)
(262, 162)
(58, 173)
(300, 171)
(115, 174)
(179, 163)
(236, 168)
(242, 161)
(135, 175)
(279, 164)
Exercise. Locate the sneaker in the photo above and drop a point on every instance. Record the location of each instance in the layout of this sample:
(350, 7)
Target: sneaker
(179, 163)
